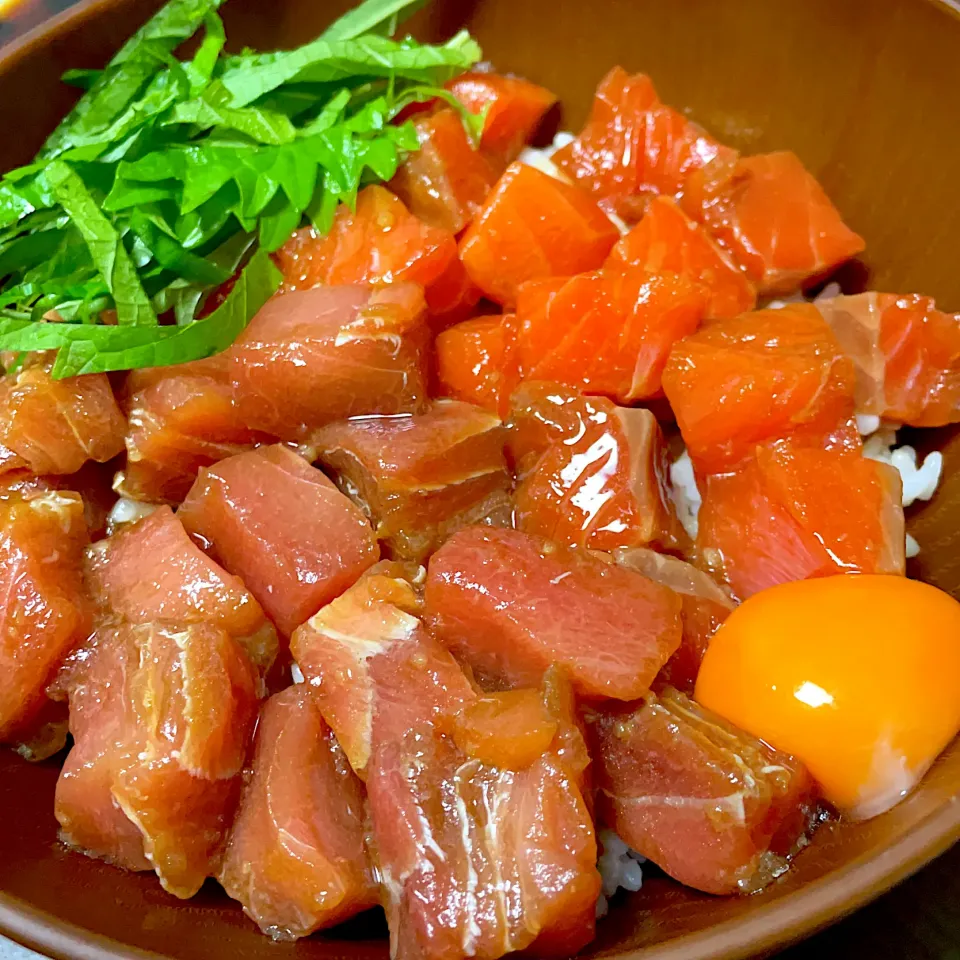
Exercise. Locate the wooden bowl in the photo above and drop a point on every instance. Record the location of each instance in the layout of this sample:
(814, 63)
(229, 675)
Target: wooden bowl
(865, 91)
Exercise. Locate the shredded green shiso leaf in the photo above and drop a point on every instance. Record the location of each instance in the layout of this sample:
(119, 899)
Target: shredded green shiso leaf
(169, 176)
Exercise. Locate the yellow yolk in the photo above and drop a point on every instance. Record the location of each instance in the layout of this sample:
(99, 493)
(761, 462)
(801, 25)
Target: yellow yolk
(857, 676)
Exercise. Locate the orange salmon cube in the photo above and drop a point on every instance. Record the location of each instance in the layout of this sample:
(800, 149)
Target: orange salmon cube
(791, 513)
(764, 376)
(447, 180)
(633, 144)
(666, 239)
(907, 355)
(281, 526)
(590, 473)
(710, 805)
(532, 226)
(514, 108)
(296, 858)
(380, 243)
(475, 362)
(607, 332)
(774, 218)
(421, 478)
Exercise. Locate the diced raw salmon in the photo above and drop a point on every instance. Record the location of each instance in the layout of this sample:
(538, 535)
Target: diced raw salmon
(713, 807)
(607, 332)
(380, 243)
(773, 217)
(421, 478)
(791, 513)
(666, 239)
(447, 180)
(452, 297)
(374, 669)
(632, 143)
(514, 108)
(475, 362)
(152, 571)
(45, 612)
(281, 526)
(307, 359)
(181, 419)
(907, 355)
(590, 473)
(56, 426)
(764, 376)
(531, 226)
(705, 606)
(161, 715)
(296, 858)
(510, 605)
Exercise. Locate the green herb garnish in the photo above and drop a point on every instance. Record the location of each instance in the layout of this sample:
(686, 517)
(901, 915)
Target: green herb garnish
(170, 175)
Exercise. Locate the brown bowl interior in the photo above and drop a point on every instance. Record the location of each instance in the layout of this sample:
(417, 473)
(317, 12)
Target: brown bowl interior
(864, 91)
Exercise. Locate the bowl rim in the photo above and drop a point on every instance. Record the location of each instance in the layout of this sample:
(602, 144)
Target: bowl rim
(778, 924)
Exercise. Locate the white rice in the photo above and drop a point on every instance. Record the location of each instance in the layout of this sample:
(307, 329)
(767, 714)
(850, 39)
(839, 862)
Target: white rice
(686, 496)
(296, 673)
(620, 869)
(539, 157)
(126, 511)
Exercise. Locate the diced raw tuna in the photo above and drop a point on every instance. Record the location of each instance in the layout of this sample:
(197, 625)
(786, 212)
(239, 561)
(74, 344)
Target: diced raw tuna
(45, 612)
(56, 426)
(421, 478)
(773, 217)
(532, 226)
(296, 857)
(713, 807)
(666, 239)
(447, 180)
(281, 526)
(514, 108)
(907, 355)
(479, 860)
(380, 243)
(705, 606)
(152, 571)
(590, 473)
(634, 144)
(181, 419)
(791, 513)
(309, 358)
(510, 605)
(161, 716)
(475, 362)
(607, 332)
(764, 376)
(374, 669)
(475, 859)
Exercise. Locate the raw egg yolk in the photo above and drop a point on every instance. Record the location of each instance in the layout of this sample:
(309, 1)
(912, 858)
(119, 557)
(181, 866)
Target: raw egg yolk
(858, 676)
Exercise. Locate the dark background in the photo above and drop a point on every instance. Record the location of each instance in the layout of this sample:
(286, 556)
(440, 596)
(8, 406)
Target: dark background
(919, 920)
